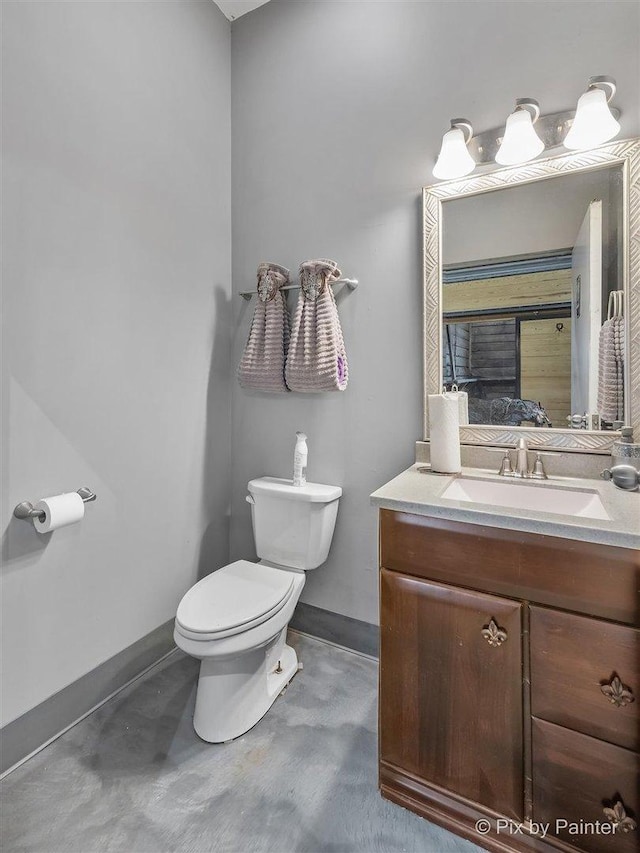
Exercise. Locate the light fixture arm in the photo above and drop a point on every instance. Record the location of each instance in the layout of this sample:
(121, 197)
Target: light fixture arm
(531, 106)
(603, 81)
(465, 126)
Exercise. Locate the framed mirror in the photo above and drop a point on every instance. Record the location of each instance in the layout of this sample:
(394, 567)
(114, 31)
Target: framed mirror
(523, 267)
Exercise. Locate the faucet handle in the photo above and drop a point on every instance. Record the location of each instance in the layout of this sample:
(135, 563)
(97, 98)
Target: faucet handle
(538, 472)
(505, 468)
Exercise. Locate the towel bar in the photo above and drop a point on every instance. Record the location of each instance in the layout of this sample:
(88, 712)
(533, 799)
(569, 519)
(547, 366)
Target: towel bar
(615, 306)
(351, 283)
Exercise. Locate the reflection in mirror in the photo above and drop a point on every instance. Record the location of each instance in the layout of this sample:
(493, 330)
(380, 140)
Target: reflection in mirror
(526, 281)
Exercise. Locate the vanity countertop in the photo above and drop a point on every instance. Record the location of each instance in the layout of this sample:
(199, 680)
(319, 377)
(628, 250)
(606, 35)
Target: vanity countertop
(421, 493)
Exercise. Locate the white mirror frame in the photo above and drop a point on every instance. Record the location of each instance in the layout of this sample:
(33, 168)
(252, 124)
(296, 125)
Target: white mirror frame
(626, 154)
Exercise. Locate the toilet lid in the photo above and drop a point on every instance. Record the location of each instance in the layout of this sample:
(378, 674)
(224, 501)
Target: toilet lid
(235, 595)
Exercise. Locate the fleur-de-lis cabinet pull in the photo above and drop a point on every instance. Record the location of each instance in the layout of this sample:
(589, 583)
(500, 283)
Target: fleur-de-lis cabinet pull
(493, 635)
(617, 693)
(619, 818)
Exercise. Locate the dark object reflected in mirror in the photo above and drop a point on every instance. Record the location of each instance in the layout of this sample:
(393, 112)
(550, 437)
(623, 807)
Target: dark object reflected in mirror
(507, 411)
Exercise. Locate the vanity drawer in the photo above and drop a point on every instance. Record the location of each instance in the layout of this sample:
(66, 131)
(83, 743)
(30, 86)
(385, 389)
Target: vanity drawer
(583, 577)
(575, 663)
(575, 777)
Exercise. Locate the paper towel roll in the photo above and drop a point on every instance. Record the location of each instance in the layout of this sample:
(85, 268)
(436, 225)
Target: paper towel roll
(444, 435)
(59, 511)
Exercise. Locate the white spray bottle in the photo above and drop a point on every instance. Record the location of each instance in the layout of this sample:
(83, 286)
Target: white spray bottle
(300, 456)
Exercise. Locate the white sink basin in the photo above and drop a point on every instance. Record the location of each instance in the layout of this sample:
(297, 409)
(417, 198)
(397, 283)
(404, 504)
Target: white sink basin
(580, 503)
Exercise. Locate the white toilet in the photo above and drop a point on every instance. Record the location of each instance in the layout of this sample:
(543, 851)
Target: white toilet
(235, 620)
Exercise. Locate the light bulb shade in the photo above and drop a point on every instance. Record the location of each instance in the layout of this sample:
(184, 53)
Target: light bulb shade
(520, 142)
(593, 123)
(454, 160)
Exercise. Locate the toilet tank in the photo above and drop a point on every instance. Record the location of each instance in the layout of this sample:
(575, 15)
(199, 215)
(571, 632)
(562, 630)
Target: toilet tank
(293, 525)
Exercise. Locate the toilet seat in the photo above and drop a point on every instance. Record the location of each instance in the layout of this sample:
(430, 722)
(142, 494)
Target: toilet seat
(233, 599)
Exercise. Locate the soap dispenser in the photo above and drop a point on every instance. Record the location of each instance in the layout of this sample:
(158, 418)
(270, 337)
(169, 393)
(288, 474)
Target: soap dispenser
(624, 451)
(625, 462)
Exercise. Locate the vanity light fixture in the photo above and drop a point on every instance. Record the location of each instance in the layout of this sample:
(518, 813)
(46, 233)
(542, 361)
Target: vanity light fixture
(594, 123)
(521, 143)
(454, 160)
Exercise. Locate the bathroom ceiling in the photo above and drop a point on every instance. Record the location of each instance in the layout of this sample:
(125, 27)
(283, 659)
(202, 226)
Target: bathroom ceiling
(234, 8)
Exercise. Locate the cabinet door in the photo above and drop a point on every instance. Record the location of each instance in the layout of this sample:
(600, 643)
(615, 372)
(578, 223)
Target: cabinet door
(451, 689)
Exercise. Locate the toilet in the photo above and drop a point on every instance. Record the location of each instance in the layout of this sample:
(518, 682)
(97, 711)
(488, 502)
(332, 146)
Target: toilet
(235, 620)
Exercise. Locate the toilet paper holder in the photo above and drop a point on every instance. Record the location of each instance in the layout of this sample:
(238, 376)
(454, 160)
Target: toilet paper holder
(25, 510)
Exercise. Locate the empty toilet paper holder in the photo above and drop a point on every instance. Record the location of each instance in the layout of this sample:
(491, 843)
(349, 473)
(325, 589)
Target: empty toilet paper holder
(25, 510)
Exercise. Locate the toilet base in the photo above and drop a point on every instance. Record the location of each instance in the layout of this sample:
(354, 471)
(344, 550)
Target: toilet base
(234, 693)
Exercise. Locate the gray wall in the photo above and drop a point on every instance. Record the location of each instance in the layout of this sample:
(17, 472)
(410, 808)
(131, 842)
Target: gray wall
(116, 369)
(338, 110)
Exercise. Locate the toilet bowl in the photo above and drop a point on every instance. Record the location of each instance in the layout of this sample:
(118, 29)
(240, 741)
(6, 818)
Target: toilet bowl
(235, 619)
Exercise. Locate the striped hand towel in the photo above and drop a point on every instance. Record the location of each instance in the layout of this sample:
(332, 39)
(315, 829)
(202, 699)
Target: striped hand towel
(317, 360)
(611, 370)
(262, 364)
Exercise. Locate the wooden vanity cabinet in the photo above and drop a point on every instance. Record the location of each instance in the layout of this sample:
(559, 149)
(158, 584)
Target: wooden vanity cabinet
(509, 674)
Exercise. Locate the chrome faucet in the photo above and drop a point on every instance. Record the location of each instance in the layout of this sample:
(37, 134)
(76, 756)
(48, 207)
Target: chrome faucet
(521, 466)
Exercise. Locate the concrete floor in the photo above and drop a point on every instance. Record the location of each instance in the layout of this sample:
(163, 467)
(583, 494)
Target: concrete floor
(133, 776)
